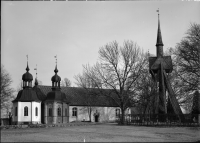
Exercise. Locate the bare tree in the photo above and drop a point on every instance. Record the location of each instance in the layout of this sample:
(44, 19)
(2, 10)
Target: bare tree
(118, 69)
(145, 91)
(66, 82)
(6, 90)
(187, 58)
(90, 96)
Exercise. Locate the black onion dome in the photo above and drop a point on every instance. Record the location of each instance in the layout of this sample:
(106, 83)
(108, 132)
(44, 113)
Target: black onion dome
(26, 95)
(56, 96)
(27, 76)
(56, 78)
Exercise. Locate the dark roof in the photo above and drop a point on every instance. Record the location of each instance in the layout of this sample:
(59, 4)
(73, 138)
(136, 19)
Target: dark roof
(39, 93)
(56, 95)
(26, 95)
(79, 97)
(154, 63)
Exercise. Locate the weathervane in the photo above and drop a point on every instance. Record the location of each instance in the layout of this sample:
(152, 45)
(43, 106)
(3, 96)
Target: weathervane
(157, 11)
(56, 59)
(36, 70)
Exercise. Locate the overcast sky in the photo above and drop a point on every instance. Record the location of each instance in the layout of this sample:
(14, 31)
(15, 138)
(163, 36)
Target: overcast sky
(74, 31)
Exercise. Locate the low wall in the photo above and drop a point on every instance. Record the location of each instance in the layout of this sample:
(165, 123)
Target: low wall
(45, 125)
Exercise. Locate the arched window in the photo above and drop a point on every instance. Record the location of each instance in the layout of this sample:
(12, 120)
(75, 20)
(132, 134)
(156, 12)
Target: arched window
(74, 111)
(36, 111)
(59, 111)
(25, 111)
(117, 112)
(50, 111)
(15, 111)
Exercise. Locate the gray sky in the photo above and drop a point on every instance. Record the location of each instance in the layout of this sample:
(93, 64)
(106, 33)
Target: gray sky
(74, 31)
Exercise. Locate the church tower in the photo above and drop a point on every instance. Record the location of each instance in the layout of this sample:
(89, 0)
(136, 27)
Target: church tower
(27, 105)
(56, 106)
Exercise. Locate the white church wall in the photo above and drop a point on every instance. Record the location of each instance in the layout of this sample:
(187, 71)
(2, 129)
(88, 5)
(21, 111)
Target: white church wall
(21, 117)
(36, 119)
(106, 114)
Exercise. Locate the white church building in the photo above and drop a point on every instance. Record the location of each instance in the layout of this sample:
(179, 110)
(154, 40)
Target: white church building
(55, 104)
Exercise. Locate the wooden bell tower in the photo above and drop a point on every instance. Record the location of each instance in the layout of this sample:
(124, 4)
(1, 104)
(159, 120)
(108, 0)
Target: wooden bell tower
(159, 67)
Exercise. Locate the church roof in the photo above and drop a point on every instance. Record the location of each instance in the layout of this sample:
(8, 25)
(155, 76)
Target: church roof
(26, 95)
(78, 97)
(154, 63)
(56, 95)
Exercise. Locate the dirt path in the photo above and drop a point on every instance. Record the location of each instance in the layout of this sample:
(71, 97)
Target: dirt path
(102, 133)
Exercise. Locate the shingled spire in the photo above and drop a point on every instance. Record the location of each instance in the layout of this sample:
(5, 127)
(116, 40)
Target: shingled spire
(159, 43)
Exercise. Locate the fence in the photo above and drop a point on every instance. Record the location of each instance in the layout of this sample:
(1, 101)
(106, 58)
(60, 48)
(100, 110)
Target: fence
(161, 119)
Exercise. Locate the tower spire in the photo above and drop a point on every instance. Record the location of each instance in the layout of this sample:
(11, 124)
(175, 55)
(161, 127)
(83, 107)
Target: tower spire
(36, 81)
(27, 68)
(56, 70)
(159, 36)
(159, 43)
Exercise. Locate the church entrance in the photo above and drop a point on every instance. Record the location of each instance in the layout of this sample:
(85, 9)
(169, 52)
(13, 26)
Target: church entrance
(96, 116)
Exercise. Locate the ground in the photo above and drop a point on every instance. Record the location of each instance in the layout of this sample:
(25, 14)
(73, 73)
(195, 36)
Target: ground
(102, 133)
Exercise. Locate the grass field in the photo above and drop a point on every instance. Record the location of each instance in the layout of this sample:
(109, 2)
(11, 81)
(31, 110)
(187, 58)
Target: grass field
(102, 133)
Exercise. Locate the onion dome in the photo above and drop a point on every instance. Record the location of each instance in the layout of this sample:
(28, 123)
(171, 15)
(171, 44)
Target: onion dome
(27, 76)
(56, 78)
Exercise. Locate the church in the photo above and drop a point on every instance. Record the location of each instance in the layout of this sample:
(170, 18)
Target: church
(54, 104)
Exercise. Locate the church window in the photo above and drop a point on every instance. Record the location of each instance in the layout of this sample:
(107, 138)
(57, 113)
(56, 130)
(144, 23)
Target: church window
(117, 112)
(36, 111)
(15, 111)
(74, 111)
(59, 111)
(25, 111)
(50, 111)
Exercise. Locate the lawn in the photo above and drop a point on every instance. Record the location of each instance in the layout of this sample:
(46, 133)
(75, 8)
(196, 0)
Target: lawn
(102, 133)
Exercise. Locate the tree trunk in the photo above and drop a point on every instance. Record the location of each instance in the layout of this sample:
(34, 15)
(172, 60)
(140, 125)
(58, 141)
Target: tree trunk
(122, 118)
(89, 113)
